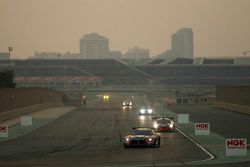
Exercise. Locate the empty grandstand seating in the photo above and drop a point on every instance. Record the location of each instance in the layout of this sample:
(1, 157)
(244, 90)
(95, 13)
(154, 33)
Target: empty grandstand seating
(156, 61)
(46, 71)
(218, 61)
(112, 70)
(181, 71)
(182, 61)
(199, 74)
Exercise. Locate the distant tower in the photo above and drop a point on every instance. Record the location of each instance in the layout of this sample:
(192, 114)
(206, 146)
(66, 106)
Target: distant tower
(182, 43)
(94, 46)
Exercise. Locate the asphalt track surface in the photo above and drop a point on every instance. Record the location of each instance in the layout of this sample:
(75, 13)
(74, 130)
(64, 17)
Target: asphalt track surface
(91, 136)
(225, 123)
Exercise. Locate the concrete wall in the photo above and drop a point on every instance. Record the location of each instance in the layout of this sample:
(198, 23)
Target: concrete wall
(195, 100)
(233, 98)
(233, 94)
(11, 99)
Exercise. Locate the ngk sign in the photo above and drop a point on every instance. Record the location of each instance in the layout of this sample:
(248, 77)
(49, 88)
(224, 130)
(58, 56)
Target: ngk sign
(236, 147)
(3, 131)
(202, 128)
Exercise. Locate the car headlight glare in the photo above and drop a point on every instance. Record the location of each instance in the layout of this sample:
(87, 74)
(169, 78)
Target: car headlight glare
(156, 125)
(150, 139)
(142, 111)
(171, 125)
(150, 111)
(127, 139)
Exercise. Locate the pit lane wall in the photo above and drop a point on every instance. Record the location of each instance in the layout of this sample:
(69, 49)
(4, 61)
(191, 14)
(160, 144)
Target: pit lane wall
(233, 98)
(18, 101)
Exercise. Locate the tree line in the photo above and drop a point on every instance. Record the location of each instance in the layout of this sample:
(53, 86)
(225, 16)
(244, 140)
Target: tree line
(7, 79)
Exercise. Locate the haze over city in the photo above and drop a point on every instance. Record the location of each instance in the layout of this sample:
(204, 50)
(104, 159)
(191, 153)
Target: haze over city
(221, 28)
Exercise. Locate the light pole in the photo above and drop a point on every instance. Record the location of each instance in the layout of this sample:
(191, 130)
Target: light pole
(10, 50)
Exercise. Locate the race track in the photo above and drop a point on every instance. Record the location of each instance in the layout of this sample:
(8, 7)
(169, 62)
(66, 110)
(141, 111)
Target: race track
(91, 136)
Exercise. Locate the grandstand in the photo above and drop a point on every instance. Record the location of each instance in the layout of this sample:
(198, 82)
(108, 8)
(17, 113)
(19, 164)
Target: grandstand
(199, 74)
(47, 71)
(182, 61)
(113, 71)
(180, 71)
(57, 82)
(218, 61)
(156, 61)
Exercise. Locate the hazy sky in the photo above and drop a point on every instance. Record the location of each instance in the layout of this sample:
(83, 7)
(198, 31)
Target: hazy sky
(221, 27)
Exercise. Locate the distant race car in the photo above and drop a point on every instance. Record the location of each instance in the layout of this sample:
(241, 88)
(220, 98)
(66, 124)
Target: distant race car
(142, 136)
(164, 124)
(146, 111)
(105, 97)
(127, 103)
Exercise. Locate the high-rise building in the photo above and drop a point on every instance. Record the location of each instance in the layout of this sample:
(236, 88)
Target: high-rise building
(114, 55)
(182, 43)
(137, 53)
(94, 46)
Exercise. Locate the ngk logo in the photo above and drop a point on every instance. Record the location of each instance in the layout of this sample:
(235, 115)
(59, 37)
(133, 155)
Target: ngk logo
(202, 126)
(236, 143)
(3, 129)
(236, 147)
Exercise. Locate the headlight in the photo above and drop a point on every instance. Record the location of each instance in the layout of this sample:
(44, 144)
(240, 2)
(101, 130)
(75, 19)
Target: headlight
(150, 111)
(150, 139)
(127, 139)
(124, 103)
(106, 97)
(171, 125)
(156, 125)
(142, 111)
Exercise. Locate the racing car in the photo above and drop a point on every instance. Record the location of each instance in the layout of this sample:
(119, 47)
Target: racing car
(142, 136)
(146, 111)
(127, 103)
(164, 124)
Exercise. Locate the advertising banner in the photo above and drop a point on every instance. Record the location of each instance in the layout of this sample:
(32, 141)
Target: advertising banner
(236, 147)
(202, 128)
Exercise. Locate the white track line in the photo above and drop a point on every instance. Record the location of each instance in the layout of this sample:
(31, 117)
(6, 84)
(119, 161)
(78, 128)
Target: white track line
(211, 156)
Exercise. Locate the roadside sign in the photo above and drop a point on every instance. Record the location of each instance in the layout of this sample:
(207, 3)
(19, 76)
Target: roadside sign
(26, 120)
(183, 118)
(202, 128)
(236, 147)
(4, 131)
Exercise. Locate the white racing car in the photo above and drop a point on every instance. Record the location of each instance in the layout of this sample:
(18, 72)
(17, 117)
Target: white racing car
(164, 124)
(127, 103)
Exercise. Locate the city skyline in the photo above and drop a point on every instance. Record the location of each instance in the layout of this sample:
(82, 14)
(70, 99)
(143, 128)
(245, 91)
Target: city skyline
(221, 28)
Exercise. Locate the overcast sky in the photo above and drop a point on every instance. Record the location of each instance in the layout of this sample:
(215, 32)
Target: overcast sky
(221, 27)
